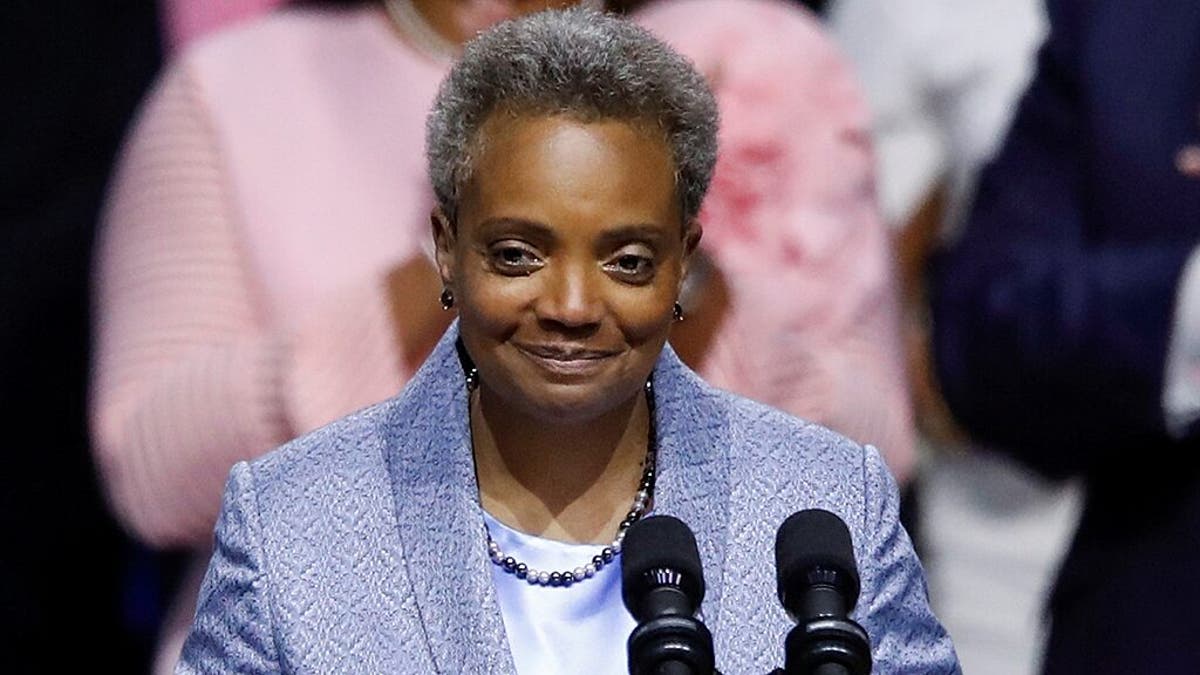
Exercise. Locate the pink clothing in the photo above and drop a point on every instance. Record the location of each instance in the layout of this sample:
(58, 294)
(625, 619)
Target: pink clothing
(273, 177)
(185, 21)
(276, 173)
(791, 218)
(257, 207)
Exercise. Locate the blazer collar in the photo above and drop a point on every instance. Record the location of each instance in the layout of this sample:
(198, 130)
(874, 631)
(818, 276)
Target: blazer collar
(693, 467)
(441, 524)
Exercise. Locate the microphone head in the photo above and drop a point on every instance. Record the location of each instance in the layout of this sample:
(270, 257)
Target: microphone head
(813, 547)
(659, 543)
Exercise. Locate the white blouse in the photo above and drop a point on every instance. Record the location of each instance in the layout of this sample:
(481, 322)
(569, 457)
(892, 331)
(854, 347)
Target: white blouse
(577, 629)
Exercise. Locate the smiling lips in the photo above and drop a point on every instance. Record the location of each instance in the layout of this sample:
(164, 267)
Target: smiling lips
(566, 359)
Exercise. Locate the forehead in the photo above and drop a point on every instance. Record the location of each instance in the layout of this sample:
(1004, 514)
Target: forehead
(553, 169)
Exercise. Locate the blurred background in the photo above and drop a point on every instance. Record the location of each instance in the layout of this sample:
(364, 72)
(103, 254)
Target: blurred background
(73, 75)
(908, 100)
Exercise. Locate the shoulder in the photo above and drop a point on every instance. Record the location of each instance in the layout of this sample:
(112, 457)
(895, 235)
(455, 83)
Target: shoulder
(768, 436)
(778, 464)
(293, 54)
(308, 544)
(323, 501)
(344, 460)
(774, 459)
(808, 465)
(747, 431)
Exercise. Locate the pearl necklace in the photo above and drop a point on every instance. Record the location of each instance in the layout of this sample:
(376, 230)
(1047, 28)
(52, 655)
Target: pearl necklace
(641, 504)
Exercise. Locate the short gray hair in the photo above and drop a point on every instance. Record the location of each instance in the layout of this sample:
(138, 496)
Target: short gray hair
(580, 63)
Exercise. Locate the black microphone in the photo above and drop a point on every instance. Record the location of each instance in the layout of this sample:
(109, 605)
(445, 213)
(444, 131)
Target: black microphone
(662, 584)
(818, 585)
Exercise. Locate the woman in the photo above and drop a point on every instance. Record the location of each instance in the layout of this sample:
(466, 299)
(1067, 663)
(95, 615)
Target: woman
(264, 262)
(569, 152)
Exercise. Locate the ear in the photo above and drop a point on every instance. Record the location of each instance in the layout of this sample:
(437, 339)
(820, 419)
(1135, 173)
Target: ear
(444, 237)
(692, 232)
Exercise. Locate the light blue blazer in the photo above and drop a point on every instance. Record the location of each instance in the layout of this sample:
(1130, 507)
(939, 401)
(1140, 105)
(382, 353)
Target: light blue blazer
(359, 548)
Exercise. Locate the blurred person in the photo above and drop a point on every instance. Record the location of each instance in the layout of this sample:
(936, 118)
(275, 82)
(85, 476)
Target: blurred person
(73, 73)
(792, 207)
(991, 531)
(1065, 322)
(570, 152)
(264, 272)
(185, 21)
(262, 267)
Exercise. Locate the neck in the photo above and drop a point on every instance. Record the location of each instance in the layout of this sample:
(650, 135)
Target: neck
(570, 482)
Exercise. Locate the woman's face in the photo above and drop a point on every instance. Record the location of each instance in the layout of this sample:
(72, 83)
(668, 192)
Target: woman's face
(566, 262)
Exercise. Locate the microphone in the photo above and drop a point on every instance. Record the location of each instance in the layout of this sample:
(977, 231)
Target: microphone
(662, 584)
(818, 585)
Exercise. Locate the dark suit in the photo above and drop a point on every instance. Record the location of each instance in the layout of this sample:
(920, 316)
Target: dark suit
(1053, 313)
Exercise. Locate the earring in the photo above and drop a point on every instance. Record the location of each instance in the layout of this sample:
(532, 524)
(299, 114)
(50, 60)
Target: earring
(678, 312)
(447, 298)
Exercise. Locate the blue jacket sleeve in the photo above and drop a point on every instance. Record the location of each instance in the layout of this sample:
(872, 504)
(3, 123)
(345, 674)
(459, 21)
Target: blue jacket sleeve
(906, 637)
(233, 629)
(1050, 326)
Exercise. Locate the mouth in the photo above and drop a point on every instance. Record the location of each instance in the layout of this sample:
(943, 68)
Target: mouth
(567, 359)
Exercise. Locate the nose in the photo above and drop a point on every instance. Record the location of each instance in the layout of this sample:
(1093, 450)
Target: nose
(571, 297)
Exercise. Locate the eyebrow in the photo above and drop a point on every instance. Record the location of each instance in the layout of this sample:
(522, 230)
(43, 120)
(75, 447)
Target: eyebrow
(533, 226)
(648, 231)
(624, 232)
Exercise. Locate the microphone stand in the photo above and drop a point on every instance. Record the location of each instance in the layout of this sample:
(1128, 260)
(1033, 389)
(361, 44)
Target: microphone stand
(673, 641)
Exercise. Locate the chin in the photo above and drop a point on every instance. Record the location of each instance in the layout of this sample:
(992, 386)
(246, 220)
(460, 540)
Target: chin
(576, 402)
(557, 394)
(572, 404)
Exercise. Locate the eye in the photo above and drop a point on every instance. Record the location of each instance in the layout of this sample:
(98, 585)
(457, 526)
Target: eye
(514, 258)
(632, 264)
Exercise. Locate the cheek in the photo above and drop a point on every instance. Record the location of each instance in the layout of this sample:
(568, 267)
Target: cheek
(644, 316)
(492, 306)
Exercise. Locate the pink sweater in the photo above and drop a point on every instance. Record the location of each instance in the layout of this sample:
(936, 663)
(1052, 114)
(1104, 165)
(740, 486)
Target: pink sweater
(792, 220)
(276, 173)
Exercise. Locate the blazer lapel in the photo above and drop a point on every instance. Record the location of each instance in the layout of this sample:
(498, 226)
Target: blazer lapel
(441, 523)
(693, 472)
(440, 520)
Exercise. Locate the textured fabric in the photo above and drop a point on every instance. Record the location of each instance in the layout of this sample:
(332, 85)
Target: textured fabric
(360, 547)
(579, 629)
